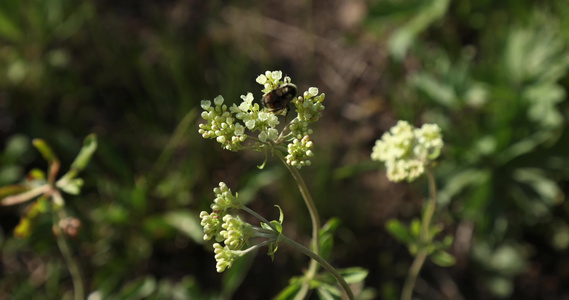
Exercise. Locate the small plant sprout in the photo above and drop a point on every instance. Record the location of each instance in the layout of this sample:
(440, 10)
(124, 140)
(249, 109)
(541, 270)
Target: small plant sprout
(48, 191)
(255, 126)
(408, 153)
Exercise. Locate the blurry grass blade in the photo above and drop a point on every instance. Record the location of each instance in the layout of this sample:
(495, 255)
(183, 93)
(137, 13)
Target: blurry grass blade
(403, 38)
(459, 181)
(186, 222)
(12, 190)
(441, 92)
(548, 191)
(45, 150)
(523, 146)
(174, 141)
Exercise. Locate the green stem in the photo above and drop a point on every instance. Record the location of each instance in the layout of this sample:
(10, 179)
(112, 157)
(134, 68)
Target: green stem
(70, 262)
(321, 261)
(409, 285)
(313, 211)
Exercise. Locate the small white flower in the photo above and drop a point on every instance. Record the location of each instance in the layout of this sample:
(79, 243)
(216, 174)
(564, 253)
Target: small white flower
(261, 79)
(239, 129)
(313, 91)
(218, 100)
(205, 104)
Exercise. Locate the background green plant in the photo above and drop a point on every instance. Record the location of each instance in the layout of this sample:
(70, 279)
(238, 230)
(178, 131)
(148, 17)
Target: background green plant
(492, 74)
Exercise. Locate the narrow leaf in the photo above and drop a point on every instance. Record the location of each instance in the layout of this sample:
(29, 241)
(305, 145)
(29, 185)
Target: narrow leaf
(45, 150)
(399, 231)
(443, 258)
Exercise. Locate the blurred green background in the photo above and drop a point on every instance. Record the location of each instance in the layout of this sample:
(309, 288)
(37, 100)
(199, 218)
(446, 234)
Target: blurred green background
(492, 74)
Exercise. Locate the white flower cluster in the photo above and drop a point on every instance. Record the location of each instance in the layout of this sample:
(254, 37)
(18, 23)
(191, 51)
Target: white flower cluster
(228, 124)
(221, 125)
(256, 119)
(226, 228)
(223, 202)
(224, 257)
(407, 150)
(271, 80)
(308, 107)
(300, 152)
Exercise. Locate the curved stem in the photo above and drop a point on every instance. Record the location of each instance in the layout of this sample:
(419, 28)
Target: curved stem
(431, 206)
(322, 262)
(255, 214)
(70, 262)
(313, 211)
(414, 270)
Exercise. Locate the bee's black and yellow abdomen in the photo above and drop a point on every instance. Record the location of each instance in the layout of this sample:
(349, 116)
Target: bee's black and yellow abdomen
(278, 99)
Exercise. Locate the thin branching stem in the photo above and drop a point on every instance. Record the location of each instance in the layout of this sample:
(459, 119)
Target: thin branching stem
(425, 239)
(72, 266)
(321, 261)
(313, 211)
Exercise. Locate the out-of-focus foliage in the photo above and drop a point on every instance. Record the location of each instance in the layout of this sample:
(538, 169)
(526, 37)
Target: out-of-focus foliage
(491, 74)
(494, 80)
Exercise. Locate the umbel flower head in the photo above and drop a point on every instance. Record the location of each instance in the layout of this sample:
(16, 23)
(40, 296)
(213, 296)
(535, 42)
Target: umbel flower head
(232, 126)
(230, 232)
(406, 150)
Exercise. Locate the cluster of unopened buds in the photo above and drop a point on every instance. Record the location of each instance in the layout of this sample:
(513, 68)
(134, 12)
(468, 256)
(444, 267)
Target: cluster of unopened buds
(232, 125)
(407, 151)
(229, 229)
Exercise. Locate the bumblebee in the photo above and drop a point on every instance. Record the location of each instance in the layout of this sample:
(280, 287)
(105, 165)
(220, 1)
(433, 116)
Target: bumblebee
(277, 100)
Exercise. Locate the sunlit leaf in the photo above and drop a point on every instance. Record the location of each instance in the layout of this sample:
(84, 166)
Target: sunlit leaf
(442, 258)
(399, 231)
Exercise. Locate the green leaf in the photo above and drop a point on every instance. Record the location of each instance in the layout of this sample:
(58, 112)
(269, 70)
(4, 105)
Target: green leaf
(273, 247)
(72, 187)
(447, 241)
(281, 215)
(434, 230)
(291, 291)
(327, 237)
(354, 274)
(399, 231)
(403, 38)
(415, 228)
(45, 150)
(443, 258)
(277, 226)
(84, 156)
(328, 292)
